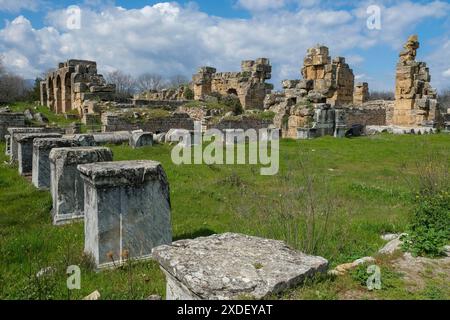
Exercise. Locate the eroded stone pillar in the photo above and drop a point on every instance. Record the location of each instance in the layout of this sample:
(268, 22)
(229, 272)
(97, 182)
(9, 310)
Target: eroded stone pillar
(66, 184)
(127, 210)
(41, 160)
(141, 139)
(25, 149)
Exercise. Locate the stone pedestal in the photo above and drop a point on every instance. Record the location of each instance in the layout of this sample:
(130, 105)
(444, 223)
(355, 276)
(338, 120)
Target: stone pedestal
(233, 266)
(66, 184)
(306, 133)
(141, 139)
(13, 143)
(25, 149)
(41, 161)
(127, 210)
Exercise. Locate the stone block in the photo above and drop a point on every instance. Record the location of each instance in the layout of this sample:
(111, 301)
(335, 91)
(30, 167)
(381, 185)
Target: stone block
(127, 210)
(233, 266)
(66, 184)
(13, 143)
(141, 139)
(41, 160)
(25, 149)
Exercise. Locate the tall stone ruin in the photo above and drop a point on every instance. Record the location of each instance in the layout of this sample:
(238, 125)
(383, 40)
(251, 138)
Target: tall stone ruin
(415, 100)
(306, 108)
(249, 84)
(361, 94)
(72, 84)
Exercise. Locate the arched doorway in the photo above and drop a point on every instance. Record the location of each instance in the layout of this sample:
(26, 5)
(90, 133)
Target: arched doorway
(232, 92)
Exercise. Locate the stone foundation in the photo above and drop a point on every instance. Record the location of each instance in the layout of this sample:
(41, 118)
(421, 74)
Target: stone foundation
(127, 210)
(41, 161)
(25, 149)
(66, 184)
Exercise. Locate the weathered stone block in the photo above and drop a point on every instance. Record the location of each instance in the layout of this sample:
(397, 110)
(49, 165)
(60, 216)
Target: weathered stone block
(41, 161)
(8, 145)
(25, 149)
(232, 266)
(127, 210)
(14, 146)
(141, 139)
(66, 184)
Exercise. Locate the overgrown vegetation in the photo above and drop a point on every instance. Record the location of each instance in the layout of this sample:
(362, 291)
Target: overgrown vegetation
(315, 203)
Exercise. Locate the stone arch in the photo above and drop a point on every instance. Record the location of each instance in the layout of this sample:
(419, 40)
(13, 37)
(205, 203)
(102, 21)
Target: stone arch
(232, 91)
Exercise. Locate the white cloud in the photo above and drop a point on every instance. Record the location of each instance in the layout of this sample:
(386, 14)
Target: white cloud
(171, 39)
(261, 5)
(17, 5)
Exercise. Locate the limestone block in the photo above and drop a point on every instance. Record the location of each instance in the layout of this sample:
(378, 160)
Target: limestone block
(233, 266)
(66, 184)
(141, 139)
(25, 149)
(13, 143)
(41, 160)
(127, 210)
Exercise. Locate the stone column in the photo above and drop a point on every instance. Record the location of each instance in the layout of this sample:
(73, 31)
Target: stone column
(41, 160)
(127, 210)
(141, 139)
(25, 149)
(66, 184)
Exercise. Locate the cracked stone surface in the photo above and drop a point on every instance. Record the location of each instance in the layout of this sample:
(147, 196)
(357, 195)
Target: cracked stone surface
(231, 266)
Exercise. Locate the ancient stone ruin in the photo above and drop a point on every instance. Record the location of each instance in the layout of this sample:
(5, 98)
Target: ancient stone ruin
(415, 100)
(361, 94)
(249, 84)
(72, 84)
(127, 210)
(306, 108)
(233, 266)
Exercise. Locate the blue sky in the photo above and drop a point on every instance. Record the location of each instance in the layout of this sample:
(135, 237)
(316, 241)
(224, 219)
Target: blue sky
(178, 37)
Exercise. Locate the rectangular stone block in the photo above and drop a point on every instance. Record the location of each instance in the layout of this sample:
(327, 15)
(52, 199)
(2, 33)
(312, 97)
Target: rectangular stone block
(127, 210)
(25, 149)
(41, 160)
(14, 146)
(66, 184)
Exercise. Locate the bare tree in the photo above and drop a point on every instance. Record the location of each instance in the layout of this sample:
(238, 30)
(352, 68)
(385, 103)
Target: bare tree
(178, 80)
(12, 87)
(150, 81)
(444, 99)
(125, 83)
(382, 95)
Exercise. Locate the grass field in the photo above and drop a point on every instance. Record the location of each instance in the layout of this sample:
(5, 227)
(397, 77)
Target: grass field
(332, 197)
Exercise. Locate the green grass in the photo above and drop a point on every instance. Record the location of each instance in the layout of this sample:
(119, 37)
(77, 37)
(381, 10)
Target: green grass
(364, 179)
(53, 118)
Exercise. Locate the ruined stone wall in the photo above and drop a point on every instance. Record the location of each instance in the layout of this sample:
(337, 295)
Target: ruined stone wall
(361, 94)
(369, 117)
(249, 84)
(244, 123)
(73, 83)
(10, 120)
(415, 99)
(173, 94)
(116, 122)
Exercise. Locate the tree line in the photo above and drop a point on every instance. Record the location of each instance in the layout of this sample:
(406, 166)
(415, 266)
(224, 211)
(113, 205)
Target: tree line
(127, 85)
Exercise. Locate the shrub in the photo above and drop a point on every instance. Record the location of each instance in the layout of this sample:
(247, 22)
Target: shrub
(429, 230)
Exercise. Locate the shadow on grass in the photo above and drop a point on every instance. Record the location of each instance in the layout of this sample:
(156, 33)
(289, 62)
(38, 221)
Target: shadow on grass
(192, 235)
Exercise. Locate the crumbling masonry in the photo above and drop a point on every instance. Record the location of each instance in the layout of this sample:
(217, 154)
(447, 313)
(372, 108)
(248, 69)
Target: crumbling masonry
(72, 84)
(249, 84)
(415, 100)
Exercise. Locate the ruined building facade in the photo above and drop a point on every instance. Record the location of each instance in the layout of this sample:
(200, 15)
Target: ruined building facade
(314, 106)
(415, 100)
(72, 84)
(249, 84)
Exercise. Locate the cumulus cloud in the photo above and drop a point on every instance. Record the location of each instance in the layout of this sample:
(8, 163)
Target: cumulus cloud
(168, 38)
(261, 5)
